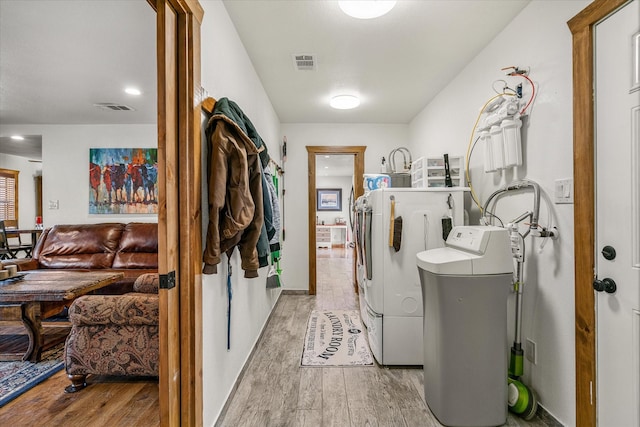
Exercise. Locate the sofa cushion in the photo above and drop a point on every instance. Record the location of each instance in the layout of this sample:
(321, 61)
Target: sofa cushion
(86, 246)
(138, 247)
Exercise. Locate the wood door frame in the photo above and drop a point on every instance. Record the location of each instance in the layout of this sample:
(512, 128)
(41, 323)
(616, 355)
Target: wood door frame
(358, 170)
(179, 217)
(582, 27)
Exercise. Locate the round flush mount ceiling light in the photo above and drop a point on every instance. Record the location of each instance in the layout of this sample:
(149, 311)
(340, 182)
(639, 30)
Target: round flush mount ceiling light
(366, 9)
(133, 91)
(17, 137)
(344, 102)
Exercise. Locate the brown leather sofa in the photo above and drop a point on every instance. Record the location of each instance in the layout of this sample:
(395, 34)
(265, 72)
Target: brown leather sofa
(130, 248)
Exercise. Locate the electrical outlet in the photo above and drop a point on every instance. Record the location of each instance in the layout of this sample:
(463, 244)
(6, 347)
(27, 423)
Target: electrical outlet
(530, 351)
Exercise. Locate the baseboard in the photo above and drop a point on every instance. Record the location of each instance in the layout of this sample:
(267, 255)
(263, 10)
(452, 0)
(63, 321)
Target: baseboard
(294, 292)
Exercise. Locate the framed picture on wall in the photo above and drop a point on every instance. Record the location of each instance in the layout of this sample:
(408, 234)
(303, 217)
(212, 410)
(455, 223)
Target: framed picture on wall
(329, 199)
(123, 181)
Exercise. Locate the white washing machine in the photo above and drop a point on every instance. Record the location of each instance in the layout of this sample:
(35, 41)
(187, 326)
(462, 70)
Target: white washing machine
(388, 281)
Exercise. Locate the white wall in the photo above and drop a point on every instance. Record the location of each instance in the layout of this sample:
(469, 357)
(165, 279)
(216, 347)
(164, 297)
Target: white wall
(379, 139)
(65, 167)
(335, 182)
(540, 39)
(228, 72)
(26, 188)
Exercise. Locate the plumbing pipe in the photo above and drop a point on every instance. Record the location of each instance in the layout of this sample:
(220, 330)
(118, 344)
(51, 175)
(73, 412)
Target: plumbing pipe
(518, 185)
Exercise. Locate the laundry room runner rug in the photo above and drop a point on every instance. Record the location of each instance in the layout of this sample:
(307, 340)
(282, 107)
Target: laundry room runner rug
(18, 377)
(336, 338)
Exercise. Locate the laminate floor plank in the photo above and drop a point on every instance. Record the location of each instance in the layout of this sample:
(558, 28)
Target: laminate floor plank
(310, 390)
(398, 387)
(285, 417)
(363, 418)
(335, 407)
(391, 416)
(251, 418)
(287, 390)
(234, 408)
(419, 417)
(308, 418)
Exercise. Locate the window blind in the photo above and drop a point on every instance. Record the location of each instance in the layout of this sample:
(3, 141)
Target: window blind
(8, 195)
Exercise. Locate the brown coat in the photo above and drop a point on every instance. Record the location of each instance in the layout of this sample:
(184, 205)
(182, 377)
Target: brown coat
(235, 196)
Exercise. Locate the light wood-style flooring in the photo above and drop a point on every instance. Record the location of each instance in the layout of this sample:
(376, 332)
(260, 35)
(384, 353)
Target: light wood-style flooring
(106, 402)
(275, 391)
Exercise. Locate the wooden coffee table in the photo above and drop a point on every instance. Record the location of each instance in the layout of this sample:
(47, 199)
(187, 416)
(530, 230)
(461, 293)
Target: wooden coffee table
(39, 294)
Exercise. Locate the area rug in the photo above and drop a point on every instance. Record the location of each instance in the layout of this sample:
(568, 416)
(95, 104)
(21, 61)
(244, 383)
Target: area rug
(336, 338)
(18, 377)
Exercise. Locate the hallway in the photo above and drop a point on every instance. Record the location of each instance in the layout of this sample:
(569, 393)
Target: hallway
(275, 391)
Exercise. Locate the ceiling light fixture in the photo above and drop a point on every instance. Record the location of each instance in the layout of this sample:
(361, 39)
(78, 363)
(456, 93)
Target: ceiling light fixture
(344, 102)
(17, 137)
(133, 91)
(366, 9)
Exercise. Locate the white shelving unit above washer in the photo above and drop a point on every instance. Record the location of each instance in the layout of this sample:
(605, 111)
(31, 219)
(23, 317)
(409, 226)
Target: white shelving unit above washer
(430, 172)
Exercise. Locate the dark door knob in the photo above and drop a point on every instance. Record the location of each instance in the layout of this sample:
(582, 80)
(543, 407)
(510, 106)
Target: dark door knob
(606, 284)
(609, 285)
(608, 252)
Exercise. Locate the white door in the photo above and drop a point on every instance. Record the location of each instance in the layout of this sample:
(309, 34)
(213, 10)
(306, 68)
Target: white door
(618, 217)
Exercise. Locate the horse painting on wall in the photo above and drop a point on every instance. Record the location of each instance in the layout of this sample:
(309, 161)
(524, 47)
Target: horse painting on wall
(123, 181)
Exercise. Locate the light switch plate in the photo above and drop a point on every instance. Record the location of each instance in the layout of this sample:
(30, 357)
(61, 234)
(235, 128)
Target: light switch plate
(563, 190)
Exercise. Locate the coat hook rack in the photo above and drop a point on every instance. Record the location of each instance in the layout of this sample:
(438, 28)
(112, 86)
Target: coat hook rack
(208, 104)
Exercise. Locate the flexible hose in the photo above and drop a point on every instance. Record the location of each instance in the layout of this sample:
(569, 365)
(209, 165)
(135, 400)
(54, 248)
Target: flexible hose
(518, 185)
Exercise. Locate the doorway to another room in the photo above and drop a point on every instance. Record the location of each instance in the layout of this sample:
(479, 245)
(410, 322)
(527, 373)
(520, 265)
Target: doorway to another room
(334, 248)
(332, 186)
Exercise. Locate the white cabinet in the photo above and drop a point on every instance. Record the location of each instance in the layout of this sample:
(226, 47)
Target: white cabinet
(329, 235)
(323, 236)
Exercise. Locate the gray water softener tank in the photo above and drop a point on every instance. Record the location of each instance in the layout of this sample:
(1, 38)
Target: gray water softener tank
(464, 291)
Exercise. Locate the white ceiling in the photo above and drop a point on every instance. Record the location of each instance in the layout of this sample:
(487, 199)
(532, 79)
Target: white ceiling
(396, 63)
(59, 58)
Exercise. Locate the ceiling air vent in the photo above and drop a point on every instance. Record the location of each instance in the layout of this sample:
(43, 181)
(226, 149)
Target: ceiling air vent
(113, 107)
(304, 62)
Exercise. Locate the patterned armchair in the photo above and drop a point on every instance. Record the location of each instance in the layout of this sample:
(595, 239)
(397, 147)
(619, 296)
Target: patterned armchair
(114, 334)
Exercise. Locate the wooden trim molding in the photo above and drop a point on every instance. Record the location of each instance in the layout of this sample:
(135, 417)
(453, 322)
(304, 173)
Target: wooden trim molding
(168, 131)
(358, 189)
(581, 27)
(179, 219)
(190, 225)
